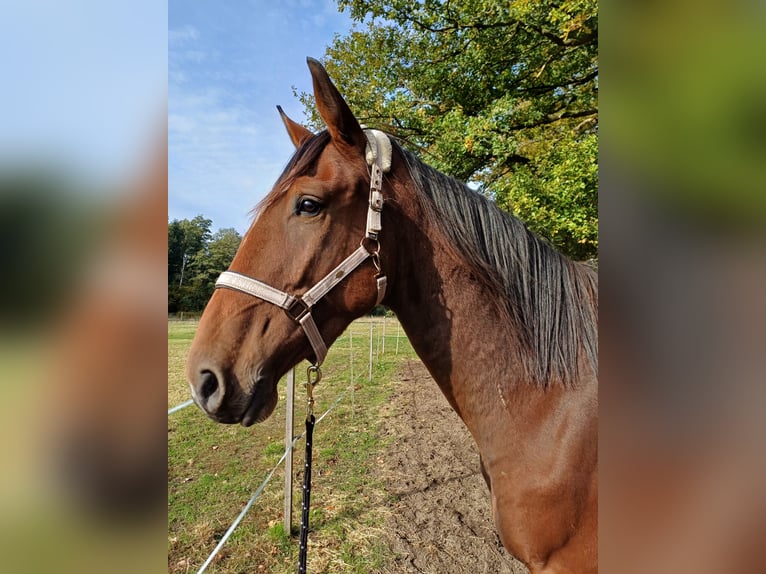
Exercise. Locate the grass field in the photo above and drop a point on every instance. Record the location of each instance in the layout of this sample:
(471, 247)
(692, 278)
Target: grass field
(213, 469)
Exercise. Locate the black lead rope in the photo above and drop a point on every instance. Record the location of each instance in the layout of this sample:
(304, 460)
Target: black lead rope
(306, 497)
(313, 375)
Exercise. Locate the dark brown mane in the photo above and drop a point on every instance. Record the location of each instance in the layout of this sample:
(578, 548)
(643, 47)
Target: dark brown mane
(551, 300)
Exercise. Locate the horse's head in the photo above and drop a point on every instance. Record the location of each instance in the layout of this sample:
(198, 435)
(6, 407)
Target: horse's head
(313, 219)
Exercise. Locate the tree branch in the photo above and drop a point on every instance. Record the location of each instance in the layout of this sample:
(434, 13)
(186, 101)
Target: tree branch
(549, 87)
(455, 26)
(549, 119)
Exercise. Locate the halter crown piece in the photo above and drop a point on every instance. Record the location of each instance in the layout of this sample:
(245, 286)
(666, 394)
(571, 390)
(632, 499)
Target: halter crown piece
(298, 307)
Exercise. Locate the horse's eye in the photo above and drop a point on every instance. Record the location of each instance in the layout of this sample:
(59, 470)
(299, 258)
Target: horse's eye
(308, 207)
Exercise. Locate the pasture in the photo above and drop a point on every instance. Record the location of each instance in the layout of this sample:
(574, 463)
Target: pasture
(214, 469)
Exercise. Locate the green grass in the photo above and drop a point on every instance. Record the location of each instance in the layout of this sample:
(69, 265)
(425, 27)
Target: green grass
(214, 469)
(180, 335)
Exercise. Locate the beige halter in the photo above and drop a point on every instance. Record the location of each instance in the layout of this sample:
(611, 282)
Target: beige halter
(298, 307)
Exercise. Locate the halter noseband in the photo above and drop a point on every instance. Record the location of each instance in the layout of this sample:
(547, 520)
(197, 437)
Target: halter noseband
(298, 307)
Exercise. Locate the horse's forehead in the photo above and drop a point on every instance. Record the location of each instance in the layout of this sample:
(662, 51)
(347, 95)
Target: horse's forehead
(331, 167)
(333, 164)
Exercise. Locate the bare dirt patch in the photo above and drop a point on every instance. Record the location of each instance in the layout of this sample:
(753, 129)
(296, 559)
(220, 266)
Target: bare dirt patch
(441, 519)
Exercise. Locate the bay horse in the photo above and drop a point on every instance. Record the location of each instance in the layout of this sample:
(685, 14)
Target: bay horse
(506, 325)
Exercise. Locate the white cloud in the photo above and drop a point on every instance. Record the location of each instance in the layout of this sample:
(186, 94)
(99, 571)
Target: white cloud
(223, 157)
(182, 35)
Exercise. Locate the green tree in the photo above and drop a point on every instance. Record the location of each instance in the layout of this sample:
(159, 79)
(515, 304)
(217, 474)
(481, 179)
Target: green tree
(186, 239)
(502, 95)
(211, 261)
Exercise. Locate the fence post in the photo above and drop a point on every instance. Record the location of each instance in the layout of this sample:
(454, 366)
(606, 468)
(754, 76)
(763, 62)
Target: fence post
(351, 369)
(371, 342)
(289, 419)
(383, 350)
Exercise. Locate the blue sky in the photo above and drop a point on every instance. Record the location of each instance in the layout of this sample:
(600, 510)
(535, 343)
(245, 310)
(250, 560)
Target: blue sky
(229, 65)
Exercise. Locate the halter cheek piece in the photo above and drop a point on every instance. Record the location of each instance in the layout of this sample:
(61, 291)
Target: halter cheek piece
(298, 307)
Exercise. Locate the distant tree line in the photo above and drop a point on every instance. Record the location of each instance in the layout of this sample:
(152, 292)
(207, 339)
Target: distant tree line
(196, 256)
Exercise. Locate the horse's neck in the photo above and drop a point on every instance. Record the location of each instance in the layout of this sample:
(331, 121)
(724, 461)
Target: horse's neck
(538, 445)
(452, 324)
(471, 351)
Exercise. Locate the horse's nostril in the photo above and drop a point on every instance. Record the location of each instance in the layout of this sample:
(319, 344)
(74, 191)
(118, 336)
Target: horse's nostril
(209, 388)
(209, 385)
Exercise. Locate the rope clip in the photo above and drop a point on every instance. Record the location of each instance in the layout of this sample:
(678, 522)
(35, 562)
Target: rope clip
(313, 376)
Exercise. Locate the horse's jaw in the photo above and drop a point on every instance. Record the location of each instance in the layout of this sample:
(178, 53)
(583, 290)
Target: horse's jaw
(263, 401)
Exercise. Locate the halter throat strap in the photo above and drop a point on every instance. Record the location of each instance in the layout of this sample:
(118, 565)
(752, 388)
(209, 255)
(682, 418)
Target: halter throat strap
(298, 307)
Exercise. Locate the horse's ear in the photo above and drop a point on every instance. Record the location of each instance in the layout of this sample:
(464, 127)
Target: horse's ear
(298, 134)
(334, 110)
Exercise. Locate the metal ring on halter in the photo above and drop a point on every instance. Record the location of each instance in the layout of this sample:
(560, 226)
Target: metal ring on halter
(375, 252)
(375, 241)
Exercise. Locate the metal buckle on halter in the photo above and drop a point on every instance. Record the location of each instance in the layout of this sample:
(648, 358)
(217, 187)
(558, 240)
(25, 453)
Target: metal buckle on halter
(297, 309)
(376, 201)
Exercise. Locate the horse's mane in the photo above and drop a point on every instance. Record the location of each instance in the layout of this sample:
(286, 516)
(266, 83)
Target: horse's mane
(551, 300)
